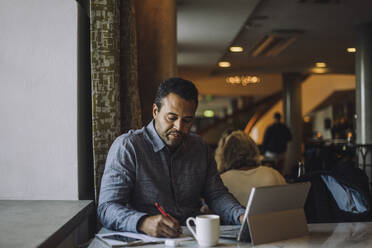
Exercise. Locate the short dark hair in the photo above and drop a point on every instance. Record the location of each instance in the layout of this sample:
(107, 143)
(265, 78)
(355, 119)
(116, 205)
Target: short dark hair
(179, 86)
(277, 116)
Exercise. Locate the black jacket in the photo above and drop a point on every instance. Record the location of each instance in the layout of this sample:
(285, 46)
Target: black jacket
(276, 137)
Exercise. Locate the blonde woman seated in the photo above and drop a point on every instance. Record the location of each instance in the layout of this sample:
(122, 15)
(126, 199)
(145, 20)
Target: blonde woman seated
(237, 158)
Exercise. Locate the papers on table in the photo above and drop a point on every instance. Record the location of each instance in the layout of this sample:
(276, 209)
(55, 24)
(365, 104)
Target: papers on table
(229, 231)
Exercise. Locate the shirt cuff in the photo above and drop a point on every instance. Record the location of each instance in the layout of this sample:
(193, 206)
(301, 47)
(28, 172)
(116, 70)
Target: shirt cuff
(139, 221)
(132, 222)
(240, 212)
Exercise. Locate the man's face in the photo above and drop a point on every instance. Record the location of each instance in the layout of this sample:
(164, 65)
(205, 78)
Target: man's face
(174, 120)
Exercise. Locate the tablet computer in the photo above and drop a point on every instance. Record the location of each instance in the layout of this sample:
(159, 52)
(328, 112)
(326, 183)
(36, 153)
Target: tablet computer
(275, 213)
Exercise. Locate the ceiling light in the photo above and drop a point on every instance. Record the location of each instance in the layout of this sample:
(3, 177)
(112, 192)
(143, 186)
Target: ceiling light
(255, 79)
(208, 113)
(351, 49)
(236, 49)
(319, 70)
(243, 80)
(224, 64)
(320, 64)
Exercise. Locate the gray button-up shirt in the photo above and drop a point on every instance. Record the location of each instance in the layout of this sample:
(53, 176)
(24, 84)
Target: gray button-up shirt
(140, 170)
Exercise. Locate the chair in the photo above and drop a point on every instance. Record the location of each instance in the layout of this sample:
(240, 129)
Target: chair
(331, 190)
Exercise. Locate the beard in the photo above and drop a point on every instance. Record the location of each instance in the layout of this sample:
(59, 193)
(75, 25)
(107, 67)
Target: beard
(174, 138)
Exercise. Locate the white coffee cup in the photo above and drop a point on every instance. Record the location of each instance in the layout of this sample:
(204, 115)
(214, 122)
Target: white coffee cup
(207, 229)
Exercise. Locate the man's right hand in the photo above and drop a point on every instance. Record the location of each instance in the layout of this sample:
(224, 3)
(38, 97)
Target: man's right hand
(160, 226)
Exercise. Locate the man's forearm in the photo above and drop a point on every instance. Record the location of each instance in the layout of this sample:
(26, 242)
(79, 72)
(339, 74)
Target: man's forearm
(228, 208)
(115, 216)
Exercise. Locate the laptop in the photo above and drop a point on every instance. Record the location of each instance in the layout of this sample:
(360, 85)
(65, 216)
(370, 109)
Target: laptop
(273, 213)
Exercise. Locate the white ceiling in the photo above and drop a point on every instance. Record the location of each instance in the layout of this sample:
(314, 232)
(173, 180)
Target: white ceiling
(206, 28)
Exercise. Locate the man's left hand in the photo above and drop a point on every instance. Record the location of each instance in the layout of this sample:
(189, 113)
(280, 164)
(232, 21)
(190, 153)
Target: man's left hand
(241, 217)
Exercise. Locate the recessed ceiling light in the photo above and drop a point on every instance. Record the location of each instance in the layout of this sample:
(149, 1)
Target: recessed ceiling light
(224, 64)
(351, 49)
(319, 70)
(236, 49)
(320, 64)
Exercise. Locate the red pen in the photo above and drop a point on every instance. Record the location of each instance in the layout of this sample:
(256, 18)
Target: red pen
(178, 228)
(161, 210)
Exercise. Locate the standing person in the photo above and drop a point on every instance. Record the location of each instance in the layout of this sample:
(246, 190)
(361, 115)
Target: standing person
(238, 161)
(275, 142)
(163, 162)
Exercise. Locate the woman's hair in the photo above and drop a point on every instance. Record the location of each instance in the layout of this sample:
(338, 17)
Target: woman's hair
(236, 149)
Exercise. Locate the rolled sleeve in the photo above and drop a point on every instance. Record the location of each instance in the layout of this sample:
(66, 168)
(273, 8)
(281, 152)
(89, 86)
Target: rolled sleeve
(116, 217)
(117, 184)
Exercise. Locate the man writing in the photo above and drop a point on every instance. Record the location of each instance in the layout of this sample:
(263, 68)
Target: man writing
(165, 163)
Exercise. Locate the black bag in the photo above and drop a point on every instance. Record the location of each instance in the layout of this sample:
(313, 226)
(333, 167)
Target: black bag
(340, 195)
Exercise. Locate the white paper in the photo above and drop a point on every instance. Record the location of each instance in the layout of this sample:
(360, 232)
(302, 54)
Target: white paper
(143, 239)
(148, 238)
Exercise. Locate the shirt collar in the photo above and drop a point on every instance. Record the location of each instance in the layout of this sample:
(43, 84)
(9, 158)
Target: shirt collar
(155, 140)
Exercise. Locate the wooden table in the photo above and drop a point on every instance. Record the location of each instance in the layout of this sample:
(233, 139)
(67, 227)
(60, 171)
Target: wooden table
(356, 235)
(44, 223)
